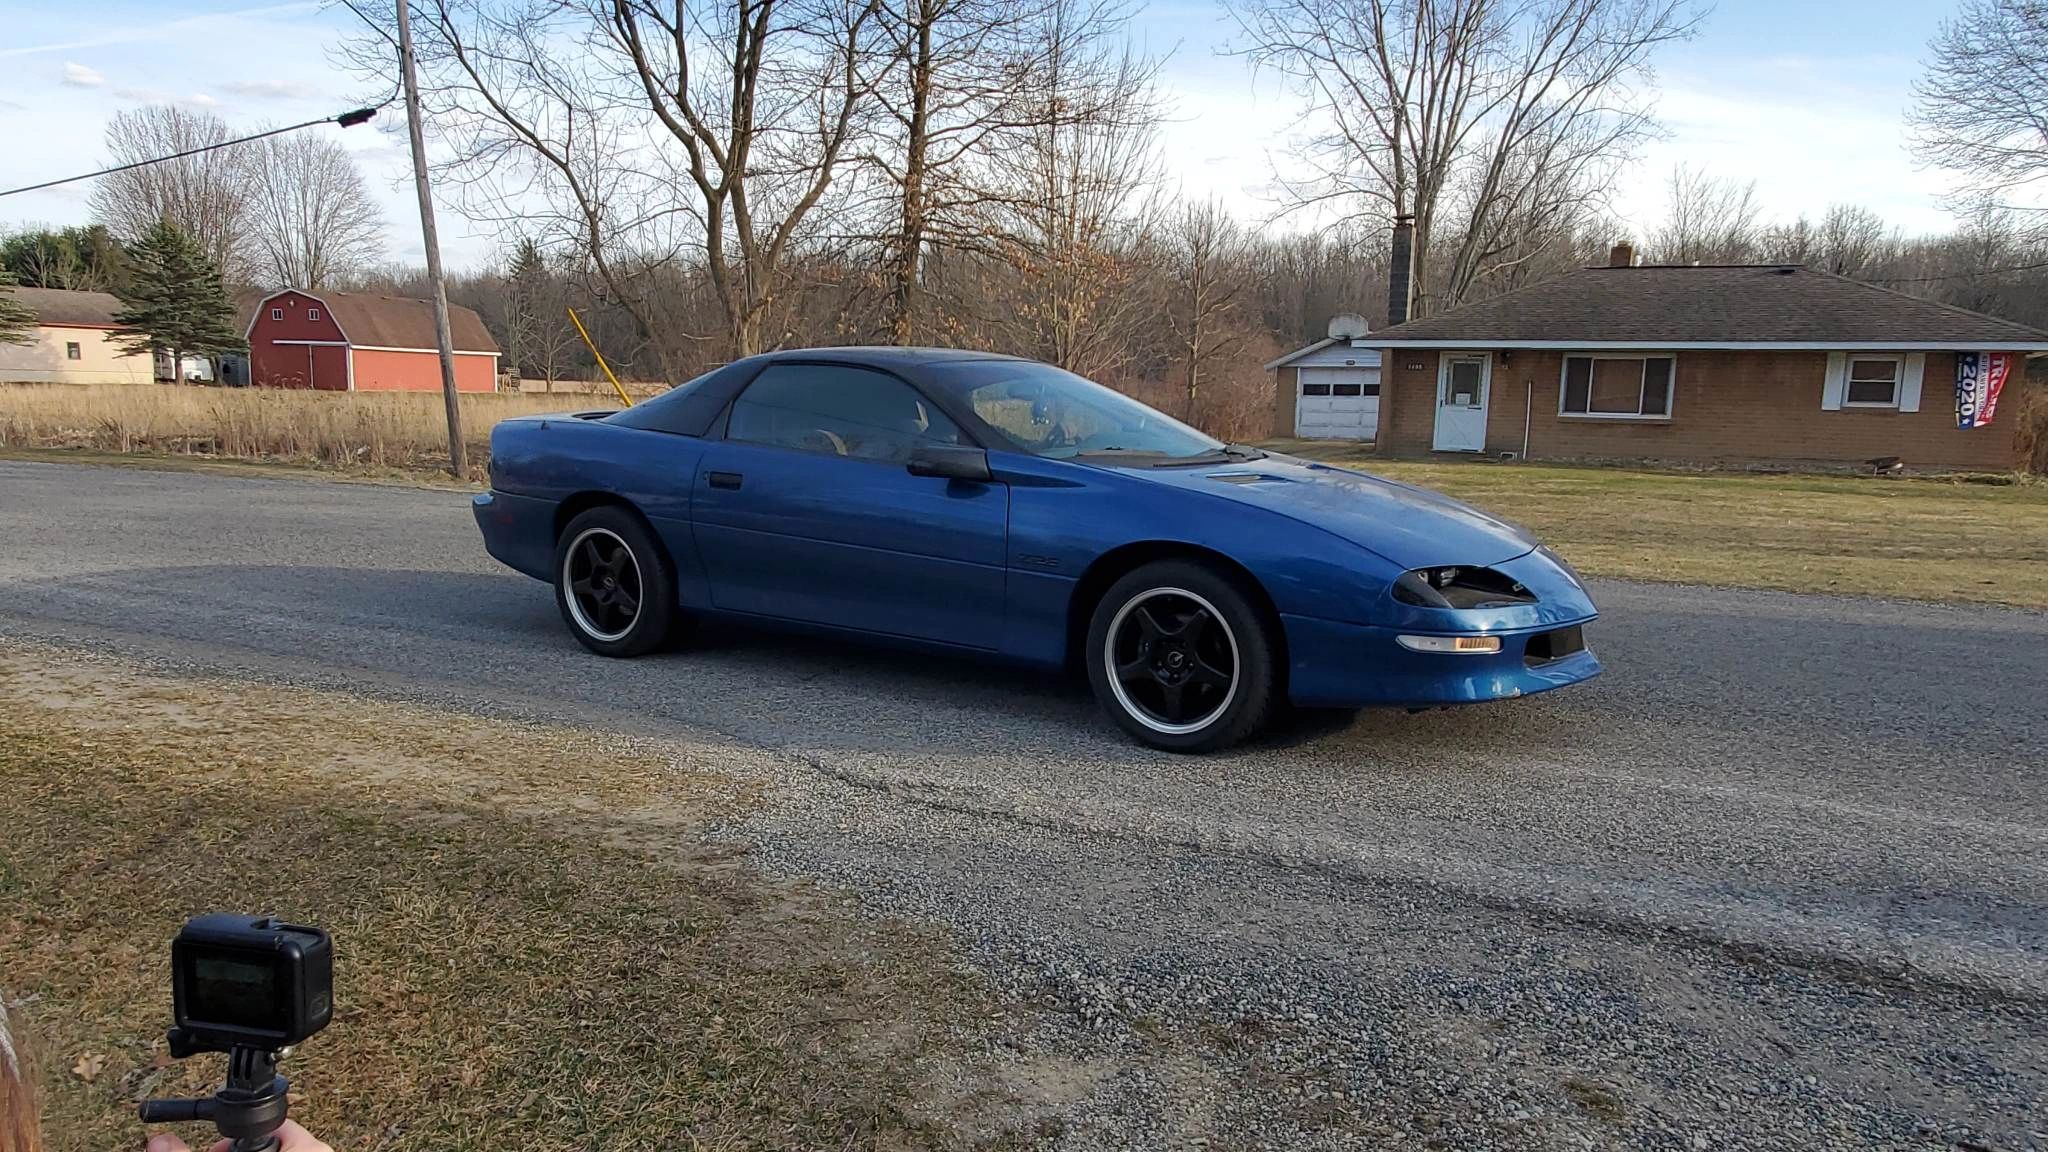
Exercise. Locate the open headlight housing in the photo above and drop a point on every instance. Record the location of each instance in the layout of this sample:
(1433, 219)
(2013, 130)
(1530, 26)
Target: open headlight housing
(1460, 586)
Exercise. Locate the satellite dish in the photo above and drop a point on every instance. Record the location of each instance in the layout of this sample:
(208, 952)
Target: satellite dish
(1347, 326)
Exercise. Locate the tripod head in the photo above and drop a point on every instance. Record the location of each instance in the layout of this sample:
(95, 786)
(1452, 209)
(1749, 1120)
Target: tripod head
(248, 1109)
(250, 987)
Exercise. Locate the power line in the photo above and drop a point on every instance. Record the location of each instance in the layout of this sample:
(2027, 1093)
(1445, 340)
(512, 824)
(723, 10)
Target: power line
(347, 120)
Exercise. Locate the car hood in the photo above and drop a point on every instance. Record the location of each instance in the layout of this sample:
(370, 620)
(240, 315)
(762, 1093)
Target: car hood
(1409, 526)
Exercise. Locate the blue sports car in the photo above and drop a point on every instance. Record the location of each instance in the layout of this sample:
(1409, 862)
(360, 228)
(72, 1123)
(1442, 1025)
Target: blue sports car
(1008, 509)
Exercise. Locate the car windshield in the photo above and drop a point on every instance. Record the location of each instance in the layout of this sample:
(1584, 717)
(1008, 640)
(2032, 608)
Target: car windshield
(1048, 411)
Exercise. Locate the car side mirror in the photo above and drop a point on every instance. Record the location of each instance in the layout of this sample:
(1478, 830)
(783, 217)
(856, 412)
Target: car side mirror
(954, 462)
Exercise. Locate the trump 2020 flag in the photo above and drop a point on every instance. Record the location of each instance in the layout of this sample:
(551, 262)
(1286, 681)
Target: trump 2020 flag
(1980, 377)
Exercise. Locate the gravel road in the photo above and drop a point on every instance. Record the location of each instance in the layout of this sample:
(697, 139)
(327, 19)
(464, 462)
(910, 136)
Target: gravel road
(1779, 879)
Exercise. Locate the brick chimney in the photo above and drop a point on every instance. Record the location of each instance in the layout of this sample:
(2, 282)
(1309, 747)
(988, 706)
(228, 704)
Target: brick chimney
(1401, 272)
(1622, 255)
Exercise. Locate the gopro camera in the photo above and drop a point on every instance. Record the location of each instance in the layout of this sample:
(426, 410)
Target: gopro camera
(252, 982)
(252, 987)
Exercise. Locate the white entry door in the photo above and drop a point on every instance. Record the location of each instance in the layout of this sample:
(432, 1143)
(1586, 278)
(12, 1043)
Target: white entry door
(1337, 403)
(1462, 380)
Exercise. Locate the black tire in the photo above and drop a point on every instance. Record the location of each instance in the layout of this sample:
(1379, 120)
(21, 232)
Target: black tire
(1159, 624)
(613, 584)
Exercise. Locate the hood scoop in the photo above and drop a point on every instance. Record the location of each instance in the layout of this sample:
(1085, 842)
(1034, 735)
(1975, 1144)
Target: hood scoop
(1245, 478)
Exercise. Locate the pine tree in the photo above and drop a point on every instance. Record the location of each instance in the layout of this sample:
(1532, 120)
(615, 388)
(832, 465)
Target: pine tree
(17, 322)
(176, 300)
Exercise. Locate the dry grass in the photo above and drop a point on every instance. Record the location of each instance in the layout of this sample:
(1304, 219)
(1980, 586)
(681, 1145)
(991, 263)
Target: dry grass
(375, 430)
(1923, 539)
(536, 946)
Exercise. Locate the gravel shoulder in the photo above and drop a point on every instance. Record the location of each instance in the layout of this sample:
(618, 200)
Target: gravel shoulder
(1779, 879)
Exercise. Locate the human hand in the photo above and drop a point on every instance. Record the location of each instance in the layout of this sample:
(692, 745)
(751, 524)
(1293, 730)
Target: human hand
(290, 1138)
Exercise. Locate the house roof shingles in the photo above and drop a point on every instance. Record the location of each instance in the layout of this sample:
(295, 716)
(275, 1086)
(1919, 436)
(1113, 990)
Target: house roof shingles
(60, 308)
(373, 321)
(1727, 304)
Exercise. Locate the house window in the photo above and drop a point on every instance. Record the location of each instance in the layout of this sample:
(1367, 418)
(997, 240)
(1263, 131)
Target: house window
(1617, 387)
(277, 313)
(1872, 382)
(1315, 389)
(312, 313)
(71, 351)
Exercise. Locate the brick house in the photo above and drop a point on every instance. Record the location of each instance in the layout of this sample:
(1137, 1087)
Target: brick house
(358, 342)
(1733, 363)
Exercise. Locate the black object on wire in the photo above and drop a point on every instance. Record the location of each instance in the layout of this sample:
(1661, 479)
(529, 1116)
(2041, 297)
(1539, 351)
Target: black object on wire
(347, 120)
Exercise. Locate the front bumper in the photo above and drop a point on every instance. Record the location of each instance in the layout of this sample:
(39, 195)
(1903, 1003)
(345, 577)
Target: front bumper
(1337, 665)
(1332, 663)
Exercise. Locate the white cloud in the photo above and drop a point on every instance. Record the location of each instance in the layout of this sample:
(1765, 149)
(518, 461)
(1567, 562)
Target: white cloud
(270, 89)
(79, 76)
(202, 100)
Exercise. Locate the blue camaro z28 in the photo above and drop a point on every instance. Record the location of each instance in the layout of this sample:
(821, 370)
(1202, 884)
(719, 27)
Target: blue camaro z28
(1002, 507)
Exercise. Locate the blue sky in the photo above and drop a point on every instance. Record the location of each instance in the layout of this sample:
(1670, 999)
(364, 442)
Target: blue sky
(1805, 98)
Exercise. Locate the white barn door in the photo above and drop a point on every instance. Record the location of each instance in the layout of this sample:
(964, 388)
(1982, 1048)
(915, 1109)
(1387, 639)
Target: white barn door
(1337, 403)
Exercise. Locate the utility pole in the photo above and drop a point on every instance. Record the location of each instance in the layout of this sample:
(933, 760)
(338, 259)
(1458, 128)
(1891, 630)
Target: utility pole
(457, 463)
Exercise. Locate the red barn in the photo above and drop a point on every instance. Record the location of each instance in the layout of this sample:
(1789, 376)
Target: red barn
(356, 342)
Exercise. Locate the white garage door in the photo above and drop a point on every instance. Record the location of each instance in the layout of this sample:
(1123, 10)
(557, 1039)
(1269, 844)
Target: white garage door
(1337, 404)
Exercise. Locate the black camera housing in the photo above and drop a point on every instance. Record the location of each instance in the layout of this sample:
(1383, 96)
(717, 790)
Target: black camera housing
(248, 982)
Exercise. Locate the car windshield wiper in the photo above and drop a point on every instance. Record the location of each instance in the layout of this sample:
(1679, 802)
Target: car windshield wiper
(1158, 459)
(1113, 450)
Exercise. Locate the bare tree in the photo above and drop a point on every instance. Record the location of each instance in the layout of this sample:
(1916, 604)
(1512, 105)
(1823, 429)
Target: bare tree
(204, 195)
(1853, 241)
(1206, 259)
(1982, 107)
(310, 217)
(653, 133)
(540, 340)
(1491, 122)
(968, 75)
(1080, 209)
(1707, 220)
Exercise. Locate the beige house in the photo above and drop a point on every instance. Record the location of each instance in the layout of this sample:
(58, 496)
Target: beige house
(73, 342)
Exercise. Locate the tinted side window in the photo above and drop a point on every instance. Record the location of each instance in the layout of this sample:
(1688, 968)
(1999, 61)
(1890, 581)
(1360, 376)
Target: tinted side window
(837, 411)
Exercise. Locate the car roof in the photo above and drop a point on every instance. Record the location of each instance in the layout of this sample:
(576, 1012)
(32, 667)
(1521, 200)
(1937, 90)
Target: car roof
(884, 355)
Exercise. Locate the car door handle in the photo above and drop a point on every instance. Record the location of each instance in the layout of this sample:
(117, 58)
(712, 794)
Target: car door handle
(725, 479)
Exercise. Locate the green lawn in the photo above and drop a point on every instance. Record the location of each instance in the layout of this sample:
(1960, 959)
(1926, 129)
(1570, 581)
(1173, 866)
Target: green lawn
(1925, 539)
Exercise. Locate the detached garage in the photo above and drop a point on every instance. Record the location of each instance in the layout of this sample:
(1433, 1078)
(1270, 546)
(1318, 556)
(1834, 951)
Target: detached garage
(357, 342)
(1329, 390)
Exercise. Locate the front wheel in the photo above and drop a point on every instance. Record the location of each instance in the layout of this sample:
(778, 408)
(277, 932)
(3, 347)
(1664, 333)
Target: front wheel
(613, 584)
(1180, 657)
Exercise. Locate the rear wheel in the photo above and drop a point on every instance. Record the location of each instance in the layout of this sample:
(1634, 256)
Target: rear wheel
(1181, 658)
(613, 583)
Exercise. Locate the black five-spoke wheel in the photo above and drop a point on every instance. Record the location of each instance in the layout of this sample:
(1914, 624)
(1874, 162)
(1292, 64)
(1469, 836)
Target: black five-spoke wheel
(1181, 656)
(1173, 660)
(604, 583)
(613, 584)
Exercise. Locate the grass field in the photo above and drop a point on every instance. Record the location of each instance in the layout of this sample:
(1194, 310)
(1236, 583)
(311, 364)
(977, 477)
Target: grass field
(538, 946)
(369, 430)
(1924, 539)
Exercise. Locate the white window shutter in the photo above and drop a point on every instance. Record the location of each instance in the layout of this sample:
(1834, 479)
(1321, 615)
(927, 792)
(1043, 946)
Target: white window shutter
(1831, 388)
(1909, 381)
